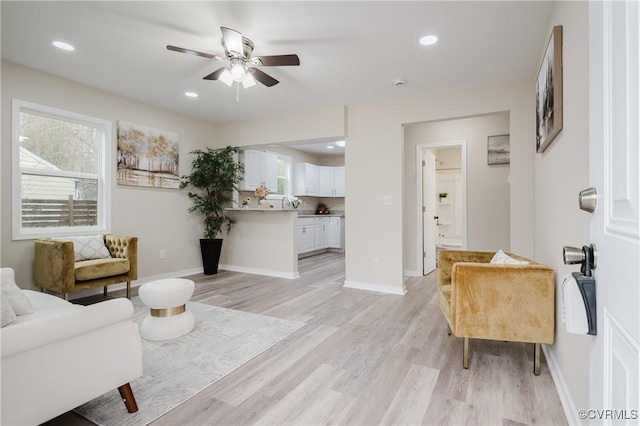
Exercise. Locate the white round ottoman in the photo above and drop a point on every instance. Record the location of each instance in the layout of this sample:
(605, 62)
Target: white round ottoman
(168, 318)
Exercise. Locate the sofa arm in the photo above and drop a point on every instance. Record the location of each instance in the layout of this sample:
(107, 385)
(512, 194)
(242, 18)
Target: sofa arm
(447, 258)
(54, 265)
(503, 302)
(124, 247)
(40, 332)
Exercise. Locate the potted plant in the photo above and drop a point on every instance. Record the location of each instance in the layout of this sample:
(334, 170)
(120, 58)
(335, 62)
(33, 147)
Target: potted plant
(215, 174)
(443, 195)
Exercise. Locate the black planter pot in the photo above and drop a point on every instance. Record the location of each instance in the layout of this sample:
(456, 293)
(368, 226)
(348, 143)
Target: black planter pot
(211, 255)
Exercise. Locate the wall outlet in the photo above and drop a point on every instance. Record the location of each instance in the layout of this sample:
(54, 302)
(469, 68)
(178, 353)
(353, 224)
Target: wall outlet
(163, 254)
(387, 200)
(375, 262)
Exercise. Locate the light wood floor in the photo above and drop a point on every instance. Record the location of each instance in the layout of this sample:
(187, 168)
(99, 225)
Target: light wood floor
(363, 358)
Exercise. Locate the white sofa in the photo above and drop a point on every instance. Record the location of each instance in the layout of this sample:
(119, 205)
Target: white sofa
(63, 355)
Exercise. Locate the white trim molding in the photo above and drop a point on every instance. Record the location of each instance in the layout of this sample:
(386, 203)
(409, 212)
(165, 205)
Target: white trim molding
(259, 271)
(564, 394)
(379, 288)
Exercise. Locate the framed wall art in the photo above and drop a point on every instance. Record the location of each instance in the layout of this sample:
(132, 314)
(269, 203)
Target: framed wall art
(498, 150)
(147, 156)
(549, 92)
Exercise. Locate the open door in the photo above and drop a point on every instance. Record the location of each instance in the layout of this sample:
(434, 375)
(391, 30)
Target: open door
(614, 72)
(429, 228)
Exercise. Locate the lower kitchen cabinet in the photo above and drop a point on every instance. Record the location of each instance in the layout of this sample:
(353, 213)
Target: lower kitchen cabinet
(318, 233)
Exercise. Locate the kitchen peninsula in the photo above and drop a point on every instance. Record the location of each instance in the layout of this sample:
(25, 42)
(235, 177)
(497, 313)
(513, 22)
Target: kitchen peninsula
(268, 241)
(263, 241)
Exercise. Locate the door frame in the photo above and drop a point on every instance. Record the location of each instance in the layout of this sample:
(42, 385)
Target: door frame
(419, 178)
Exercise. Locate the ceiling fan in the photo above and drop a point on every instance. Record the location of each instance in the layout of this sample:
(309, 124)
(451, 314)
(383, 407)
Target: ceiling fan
(242, 67)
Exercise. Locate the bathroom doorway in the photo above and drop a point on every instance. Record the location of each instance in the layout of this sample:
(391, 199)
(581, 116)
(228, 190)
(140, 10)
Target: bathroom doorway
(442, 187)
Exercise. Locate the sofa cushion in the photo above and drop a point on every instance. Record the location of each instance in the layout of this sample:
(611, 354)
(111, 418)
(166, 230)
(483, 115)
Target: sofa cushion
(46, 306)
(8, 316)
(89, 247)
(99, 268)
(501, 258)
(10, 290)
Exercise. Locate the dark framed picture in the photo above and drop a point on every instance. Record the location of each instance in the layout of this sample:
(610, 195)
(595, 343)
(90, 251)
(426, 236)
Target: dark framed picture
(549, 92)
(498, 150)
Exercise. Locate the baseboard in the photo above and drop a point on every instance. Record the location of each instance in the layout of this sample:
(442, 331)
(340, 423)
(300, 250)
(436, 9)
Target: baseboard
(380, 288)
(258, 271)
(412, 273)
(570, 411)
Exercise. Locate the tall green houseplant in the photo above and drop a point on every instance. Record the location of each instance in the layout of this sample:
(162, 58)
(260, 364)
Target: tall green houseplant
(215, 174)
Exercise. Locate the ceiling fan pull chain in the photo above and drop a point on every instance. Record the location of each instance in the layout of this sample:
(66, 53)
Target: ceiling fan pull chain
(237, 92)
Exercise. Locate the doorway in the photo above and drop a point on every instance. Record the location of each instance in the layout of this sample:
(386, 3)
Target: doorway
(442, 189)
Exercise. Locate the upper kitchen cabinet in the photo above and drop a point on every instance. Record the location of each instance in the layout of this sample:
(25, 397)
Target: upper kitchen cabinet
(260, 168)
(330, 181)
(306, 180)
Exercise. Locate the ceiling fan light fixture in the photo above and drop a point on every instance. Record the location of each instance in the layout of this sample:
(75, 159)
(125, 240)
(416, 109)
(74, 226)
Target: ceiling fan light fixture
(226, 77)
(248, 81)
(238, 71)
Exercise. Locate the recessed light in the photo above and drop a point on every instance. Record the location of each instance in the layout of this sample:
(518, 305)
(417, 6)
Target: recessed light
(330, 146)
(191, 94)
(62, 45)
(428, 40)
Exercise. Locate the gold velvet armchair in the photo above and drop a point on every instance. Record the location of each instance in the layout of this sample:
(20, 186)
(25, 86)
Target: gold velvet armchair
(483, 300)
(55, 268)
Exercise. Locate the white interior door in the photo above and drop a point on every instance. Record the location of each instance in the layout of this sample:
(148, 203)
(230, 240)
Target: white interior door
(614, 160)
(429, 211)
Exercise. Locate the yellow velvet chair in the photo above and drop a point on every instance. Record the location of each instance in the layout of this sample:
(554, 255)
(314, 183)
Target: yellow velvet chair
(482, 300)
(55, 268)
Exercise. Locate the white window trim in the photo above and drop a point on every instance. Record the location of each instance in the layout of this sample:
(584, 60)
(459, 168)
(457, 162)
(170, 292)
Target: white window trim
(104, 173)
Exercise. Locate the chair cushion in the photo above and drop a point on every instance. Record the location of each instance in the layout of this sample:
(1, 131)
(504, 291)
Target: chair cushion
(100, 268)
(444, 298)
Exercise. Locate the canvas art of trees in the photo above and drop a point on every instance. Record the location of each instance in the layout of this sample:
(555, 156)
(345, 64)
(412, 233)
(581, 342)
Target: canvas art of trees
(147, 156)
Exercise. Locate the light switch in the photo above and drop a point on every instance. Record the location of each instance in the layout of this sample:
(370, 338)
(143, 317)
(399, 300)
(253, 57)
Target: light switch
(387, 200)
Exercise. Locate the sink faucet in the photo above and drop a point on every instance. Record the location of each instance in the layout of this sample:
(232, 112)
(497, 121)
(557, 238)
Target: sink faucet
(285, 202)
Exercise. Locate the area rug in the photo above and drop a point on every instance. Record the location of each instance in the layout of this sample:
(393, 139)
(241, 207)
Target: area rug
(175, 370)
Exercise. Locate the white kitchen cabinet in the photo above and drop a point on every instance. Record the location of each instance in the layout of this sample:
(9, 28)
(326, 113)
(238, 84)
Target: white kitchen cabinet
(321, 233)
(306, 235)
(305, 180)
(331, 181)
(260, 168)
(336, 233)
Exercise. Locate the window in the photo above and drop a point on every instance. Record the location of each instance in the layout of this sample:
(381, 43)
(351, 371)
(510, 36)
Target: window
(283, 172)
(61, 172)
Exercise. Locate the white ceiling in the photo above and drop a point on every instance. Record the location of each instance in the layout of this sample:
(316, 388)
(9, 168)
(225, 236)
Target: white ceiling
(350, 52)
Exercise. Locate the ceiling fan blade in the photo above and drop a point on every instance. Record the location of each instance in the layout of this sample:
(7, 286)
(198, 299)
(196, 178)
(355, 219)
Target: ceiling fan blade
(278, 60)
(215, 75)
(263, 77)
(232, 40)
(192, 52)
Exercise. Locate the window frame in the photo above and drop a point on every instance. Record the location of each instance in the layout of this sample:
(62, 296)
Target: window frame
(103, 174)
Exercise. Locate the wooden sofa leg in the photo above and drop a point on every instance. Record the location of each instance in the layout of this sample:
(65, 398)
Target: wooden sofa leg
(448, 329)
(104, 291)
(536, 359)
(65, 296)
(128, 289)
(465, 353)
(127, 397)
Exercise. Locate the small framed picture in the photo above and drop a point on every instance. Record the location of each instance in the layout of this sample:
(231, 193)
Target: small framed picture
(549, 92)
(498, 150)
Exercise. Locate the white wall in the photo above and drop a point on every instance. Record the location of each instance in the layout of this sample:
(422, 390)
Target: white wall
(158, 217)
(560, 173)
(488, 218)
(375, 167)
